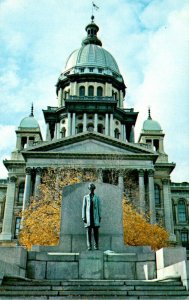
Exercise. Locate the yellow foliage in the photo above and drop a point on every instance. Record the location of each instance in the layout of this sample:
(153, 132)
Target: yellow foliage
(138, 232)
(41, 220)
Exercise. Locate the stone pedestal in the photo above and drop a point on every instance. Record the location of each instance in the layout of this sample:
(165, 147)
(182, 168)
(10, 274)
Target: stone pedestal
(91, 265)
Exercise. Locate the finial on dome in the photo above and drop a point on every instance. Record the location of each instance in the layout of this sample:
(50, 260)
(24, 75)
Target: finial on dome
(31, 114)
(149, 114)
(92, 19)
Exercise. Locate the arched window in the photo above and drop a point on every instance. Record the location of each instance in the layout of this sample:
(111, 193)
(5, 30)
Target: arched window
(181, 211)
(157, 195)
(116, 133)
(99, 91)
(80, 128)
(90, 127)
(82, 91)
(21, 192)
(63, 132)
(100, 128)
(91, 91)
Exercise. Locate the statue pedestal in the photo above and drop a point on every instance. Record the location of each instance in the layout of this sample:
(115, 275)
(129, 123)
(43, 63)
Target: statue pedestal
(135, 263)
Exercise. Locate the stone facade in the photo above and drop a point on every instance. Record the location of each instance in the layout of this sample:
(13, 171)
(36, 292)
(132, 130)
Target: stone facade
(91, 128)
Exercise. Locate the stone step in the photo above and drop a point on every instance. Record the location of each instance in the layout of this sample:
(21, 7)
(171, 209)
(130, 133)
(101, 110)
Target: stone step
(158, 293)
(89, 287)
(90, 282)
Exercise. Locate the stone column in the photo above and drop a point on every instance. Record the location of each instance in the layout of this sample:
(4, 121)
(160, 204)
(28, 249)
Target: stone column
(18, 142)
(84, 122)
(151, 196)
(111, 125)
(132, 135)
(96, 122)
(120, 180)
(60, 97)
(69, 124)
(73, 124)
(6, 234)
(100, 177)
(168, 208)
(124, 133)
(107, 125)
(27, 189)
(141, 191)
(37, 182)
(48, 136)
(58, 130)
(55, 132)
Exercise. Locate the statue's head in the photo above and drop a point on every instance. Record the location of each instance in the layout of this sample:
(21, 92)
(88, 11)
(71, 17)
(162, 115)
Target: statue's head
(91, 187)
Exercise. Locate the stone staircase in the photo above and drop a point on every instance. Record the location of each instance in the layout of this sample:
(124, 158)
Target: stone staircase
(18, 289)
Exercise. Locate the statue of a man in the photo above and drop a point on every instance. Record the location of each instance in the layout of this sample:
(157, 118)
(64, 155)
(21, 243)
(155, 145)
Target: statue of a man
(91, 215)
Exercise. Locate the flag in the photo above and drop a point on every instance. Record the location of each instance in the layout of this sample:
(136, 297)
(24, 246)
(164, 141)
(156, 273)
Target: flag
(95, 6)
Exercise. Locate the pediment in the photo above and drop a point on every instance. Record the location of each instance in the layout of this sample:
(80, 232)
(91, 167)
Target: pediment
(90, 143)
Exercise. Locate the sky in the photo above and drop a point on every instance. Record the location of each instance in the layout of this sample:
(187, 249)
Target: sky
(148, 39)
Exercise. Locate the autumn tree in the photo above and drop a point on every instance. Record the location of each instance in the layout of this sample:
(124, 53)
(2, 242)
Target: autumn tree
(139, 232)
(41, 219)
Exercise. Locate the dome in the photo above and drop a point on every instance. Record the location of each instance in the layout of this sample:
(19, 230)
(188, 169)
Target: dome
(92, 55)
(151, 125)
(29, 122)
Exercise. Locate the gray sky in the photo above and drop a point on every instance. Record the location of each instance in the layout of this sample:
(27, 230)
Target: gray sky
(148, 39)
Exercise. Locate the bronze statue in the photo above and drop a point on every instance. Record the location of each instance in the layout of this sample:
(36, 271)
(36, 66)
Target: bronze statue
(91, 215)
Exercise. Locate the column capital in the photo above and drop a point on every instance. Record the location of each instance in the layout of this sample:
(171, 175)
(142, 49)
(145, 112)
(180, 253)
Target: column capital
(12, 179)
(28, 171)
(121, 172)
(165, 181)
(38, 171)
(151, 172)
(141, 172)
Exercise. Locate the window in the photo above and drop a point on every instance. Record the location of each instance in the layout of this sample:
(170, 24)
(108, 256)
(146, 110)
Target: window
(100, 71)
(91, 91)
(17, 226)
(81, 70)
(184, 238)
(157, 195)
(99, 91)
(100, 128)
(80, 128)
(156, 144)
(23, 142)
(82, 91)
(91, 69)
(181, 211)
(116, 133)
(21, 193)
(63, 132)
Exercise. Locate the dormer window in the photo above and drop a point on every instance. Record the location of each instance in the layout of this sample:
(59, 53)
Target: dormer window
(91, 69)
(82, 70)
(100, 70)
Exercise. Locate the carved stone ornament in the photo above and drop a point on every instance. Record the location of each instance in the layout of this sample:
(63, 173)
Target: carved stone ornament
(151, 172)
(38, 171)
(28, 171)
(141, 172)
(12, 179)
(165, 181)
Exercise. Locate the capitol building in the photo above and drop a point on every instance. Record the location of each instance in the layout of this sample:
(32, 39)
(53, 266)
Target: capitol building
(90, 127)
